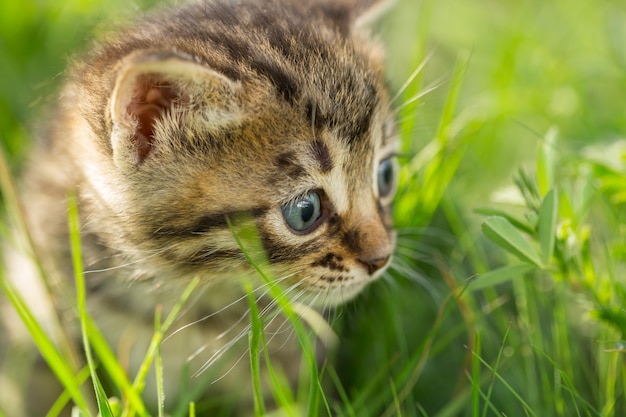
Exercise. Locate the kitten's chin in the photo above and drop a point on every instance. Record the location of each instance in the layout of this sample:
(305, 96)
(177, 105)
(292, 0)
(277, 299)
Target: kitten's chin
(334, 295)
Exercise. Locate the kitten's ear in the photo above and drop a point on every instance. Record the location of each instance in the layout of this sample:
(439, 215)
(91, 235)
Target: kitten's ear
(152, 86)
(368, 11)
(354, 13)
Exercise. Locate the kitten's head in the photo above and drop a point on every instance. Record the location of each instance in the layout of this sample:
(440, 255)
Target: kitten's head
(275, 109)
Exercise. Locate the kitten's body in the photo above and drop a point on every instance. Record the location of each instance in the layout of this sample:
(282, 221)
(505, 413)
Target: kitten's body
(198, 115)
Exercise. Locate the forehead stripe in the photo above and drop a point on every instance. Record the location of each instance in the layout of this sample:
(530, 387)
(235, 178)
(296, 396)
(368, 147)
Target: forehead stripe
(287, 162)
(322, 155)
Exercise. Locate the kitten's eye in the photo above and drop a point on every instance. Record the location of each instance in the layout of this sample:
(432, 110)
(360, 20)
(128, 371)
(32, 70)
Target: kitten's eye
(301, 214)
(386, 177)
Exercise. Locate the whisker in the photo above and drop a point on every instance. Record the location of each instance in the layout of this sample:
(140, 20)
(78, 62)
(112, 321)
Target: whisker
(241, 319)
(267, 310)
(220, 352)
(121, 266)
(415, 276)
(229, 370)
(208, 316)
(265, 286)
(197, 352)
(290, 333)
(285, 290)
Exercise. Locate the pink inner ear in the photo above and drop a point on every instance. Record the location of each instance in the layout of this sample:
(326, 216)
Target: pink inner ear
(152, 97)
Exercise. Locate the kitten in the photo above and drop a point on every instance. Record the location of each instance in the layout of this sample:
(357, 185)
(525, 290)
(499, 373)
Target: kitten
(192, 117)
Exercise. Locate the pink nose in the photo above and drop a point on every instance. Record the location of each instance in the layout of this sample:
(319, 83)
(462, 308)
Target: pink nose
(374, 265)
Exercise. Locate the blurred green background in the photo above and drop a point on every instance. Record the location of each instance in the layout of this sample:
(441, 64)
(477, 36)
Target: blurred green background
(530, 65)
(522, 68)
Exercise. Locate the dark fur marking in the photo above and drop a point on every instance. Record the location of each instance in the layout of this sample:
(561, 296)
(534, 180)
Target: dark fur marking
(209, 256)
(322, 155)
(328, 278)
(280, 38)
(335, 224)
(205, 224)
(279, 252)
(356, 129)
(331, 279)
(285, 159)
(288, 164)
(332, 262)
(285, 85)
(362, 125)
(240, 51)
(338, 14)
(351, 239)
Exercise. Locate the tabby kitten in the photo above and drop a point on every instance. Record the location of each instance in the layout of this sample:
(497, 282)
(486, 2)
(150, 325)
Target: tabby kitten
(193, 116)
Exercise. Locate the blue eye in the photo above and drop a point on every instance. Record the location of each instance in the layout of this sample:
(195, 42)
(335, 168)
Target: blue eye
(301, 214)
(386, 177)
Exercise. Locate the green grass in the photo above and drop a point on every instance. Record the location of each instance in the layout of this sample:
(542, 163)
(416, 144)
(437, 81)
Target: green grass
(507, 295)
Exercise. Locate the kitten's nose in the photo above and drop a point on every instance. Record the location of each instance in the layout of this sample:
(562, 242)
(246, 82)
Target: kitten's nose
(373, 245)
(374, 265)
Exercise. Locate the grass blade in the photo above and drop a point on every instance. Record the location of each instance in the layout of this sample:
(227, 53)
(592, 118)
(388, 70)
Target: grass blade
(501, 232)
(113, 368)
(476, 377)
(499, 276)
(77, 261)
(58, 364)
(508, 386)
(547, 225)
(158, 365)
(138, 383)
(521, 225)
(255, 347)
(253, 252)
(63, 399)
(66, 362)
